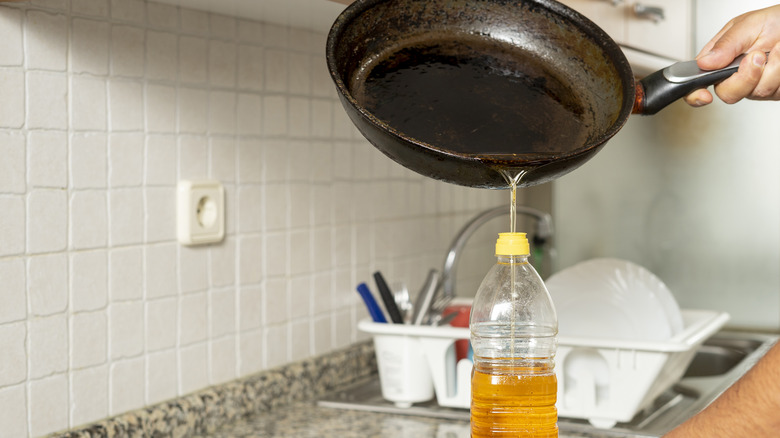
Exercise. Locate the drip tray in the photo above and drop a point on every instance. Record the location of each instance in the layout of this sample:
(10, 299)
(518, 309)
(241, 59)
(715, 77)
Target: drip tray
(719, 362)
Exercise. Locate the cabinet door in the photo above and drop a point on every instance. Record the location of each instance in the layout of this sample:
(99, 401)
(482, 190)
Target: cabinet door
(667, 34)
(607, 14)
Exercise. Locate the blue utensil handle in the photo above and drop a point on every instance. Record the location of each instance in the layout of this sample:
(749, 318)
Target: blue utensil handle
(373, 307)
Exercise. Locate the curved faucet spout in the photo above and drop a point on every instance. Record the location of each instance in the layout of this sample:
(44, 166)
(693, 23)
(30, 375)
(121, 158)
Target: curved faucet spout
(543, 233)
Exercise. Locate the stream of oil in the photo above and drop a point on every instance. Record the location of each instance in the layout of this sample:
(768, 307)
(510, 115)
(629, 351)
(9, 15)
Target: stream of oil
(513, 178)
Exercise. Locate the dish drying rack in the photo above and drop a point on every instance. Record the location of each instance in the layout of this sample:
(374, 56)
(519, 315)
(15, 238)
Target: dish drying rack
(604, 381)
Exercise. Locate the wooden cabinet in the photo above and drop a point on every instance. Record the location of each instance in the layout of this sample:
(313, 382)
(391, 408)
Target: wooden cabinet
(653, 33)
(665, 28)
(609, 15)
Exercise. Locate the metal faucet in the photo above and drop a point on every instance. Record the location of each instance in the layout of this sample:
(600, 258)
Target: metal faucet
(542, 236)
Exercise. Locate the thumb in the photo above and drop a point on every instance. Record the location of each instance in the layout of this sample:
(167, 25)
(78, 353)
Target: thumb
(734, 42)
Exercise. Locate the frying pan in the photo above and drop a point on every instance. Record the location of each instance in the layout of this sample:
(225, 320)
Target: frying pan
(416, 78)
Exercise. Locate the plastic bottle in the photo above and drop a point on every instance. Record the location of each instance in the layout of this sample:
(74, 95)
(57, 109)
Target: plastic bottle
(514, 336)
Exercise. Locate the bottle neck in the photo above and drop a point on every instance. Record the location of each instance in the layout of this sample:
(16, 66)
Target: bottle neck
(512, 259)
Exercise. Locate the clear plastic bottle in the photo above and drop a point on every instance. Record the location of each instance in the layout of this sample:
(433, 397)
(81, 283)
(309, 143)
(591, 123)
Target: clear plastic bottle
(514, 337)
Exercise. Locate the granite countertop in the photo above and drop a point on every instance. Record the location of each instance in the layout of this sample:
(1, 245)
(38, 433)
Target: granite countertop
(307, 419)
(281, 402)
(266, 394)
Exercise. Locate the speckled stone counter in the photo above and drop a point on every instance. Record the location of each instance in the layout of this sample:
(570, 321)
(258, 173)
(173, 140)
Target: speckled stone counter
(279, 403)
(306, 419)
(205, 411)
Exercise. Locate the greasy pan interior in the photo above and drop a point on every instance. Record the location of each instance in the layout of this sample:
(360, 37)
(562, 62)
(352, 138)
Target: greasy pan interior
(540, 45)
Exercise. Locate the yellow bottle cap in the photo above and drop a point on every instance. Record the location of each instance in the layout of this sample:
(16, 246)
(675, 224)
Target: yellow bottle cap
(512, 244)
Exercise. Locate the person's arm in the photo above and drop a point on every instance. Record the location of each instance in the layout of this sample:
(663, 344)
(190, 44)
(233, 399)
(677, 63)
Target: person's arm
(755, 33)
(750, 408)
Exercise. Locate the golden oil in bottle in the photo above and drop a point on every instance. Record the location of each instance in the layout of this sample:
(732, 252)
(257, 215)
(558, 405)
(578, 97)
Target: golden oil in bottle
(513, 401)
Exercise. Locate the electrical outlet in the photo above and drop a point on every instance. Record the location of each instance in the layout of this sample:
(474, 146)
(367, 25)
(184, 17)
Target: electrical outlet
(200, 212)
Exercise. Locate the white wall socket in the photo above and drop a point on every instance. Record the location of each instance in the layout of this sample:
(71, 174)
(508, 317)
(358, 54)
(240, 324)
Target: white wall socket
(200, 212)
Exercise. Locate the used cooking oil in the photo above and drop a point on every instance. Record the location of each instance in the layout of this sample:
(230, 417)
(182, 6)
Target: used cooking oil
(516, 401)
(514, 337)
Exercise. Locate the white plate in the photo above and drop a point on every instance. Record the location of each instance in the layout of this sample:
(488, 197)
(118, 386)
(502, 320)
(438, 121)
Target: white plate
(612, 298)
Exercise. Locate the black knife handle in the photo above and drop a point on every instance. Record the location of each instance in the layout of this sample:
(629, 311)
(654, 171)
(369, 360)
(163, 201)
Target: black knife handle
(387, 297)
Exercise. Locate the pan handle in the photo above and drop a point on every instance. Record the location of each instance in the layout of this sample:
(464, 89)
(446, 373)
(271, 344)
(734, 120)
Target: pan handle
(657, 90)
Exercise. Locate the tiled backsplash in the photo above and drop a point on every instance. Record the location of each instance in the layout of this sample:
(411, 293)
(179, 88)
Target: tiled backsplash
(105, 106)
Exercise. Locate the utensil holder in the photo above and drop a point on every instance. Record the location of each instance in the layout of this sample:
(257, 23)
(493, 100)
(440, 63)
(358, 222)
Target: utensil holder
(403, 369)
(451, 378)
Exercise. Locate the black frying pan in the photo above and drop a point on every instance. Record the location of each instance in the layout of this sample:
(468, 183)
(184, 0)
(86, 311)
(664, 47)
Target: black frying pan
(458, 90)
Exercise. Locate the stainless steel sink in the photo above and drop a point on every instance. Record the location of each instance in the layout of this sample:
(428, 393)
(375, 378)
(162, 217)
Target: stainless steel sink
(720, 354)
(719, 362)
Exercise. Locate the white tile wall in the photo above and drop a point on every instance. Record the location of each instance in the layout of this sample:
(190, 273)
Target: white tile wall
(48, 284)
(12, 87)
(13, 410)
(48, 404)
(161, 369)
(88, 394)
(88, 342)
(126, 392)
(106, 105)
(13, 361)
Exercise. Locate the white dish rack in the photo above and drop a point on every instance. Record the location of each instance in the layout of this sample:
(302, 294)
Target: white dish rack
(605, 381)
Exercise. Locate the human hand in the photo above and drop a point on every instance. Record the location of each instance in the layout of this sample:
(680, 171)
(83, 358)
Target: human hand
(756, 33)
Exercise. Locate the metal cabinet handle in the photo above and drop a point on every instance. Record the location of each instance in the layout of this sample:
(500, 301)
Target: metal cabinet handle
(615, 2)
(654, 13)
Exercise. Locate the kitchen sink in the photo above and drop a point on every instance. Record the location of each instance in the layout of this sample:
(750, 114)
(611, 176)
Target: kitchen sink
(719, 355)
(719, 362)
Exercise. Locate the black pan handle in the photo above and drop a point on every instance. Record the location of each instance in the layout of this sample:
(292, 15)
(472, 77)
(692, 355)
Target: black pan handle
(656, 91)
